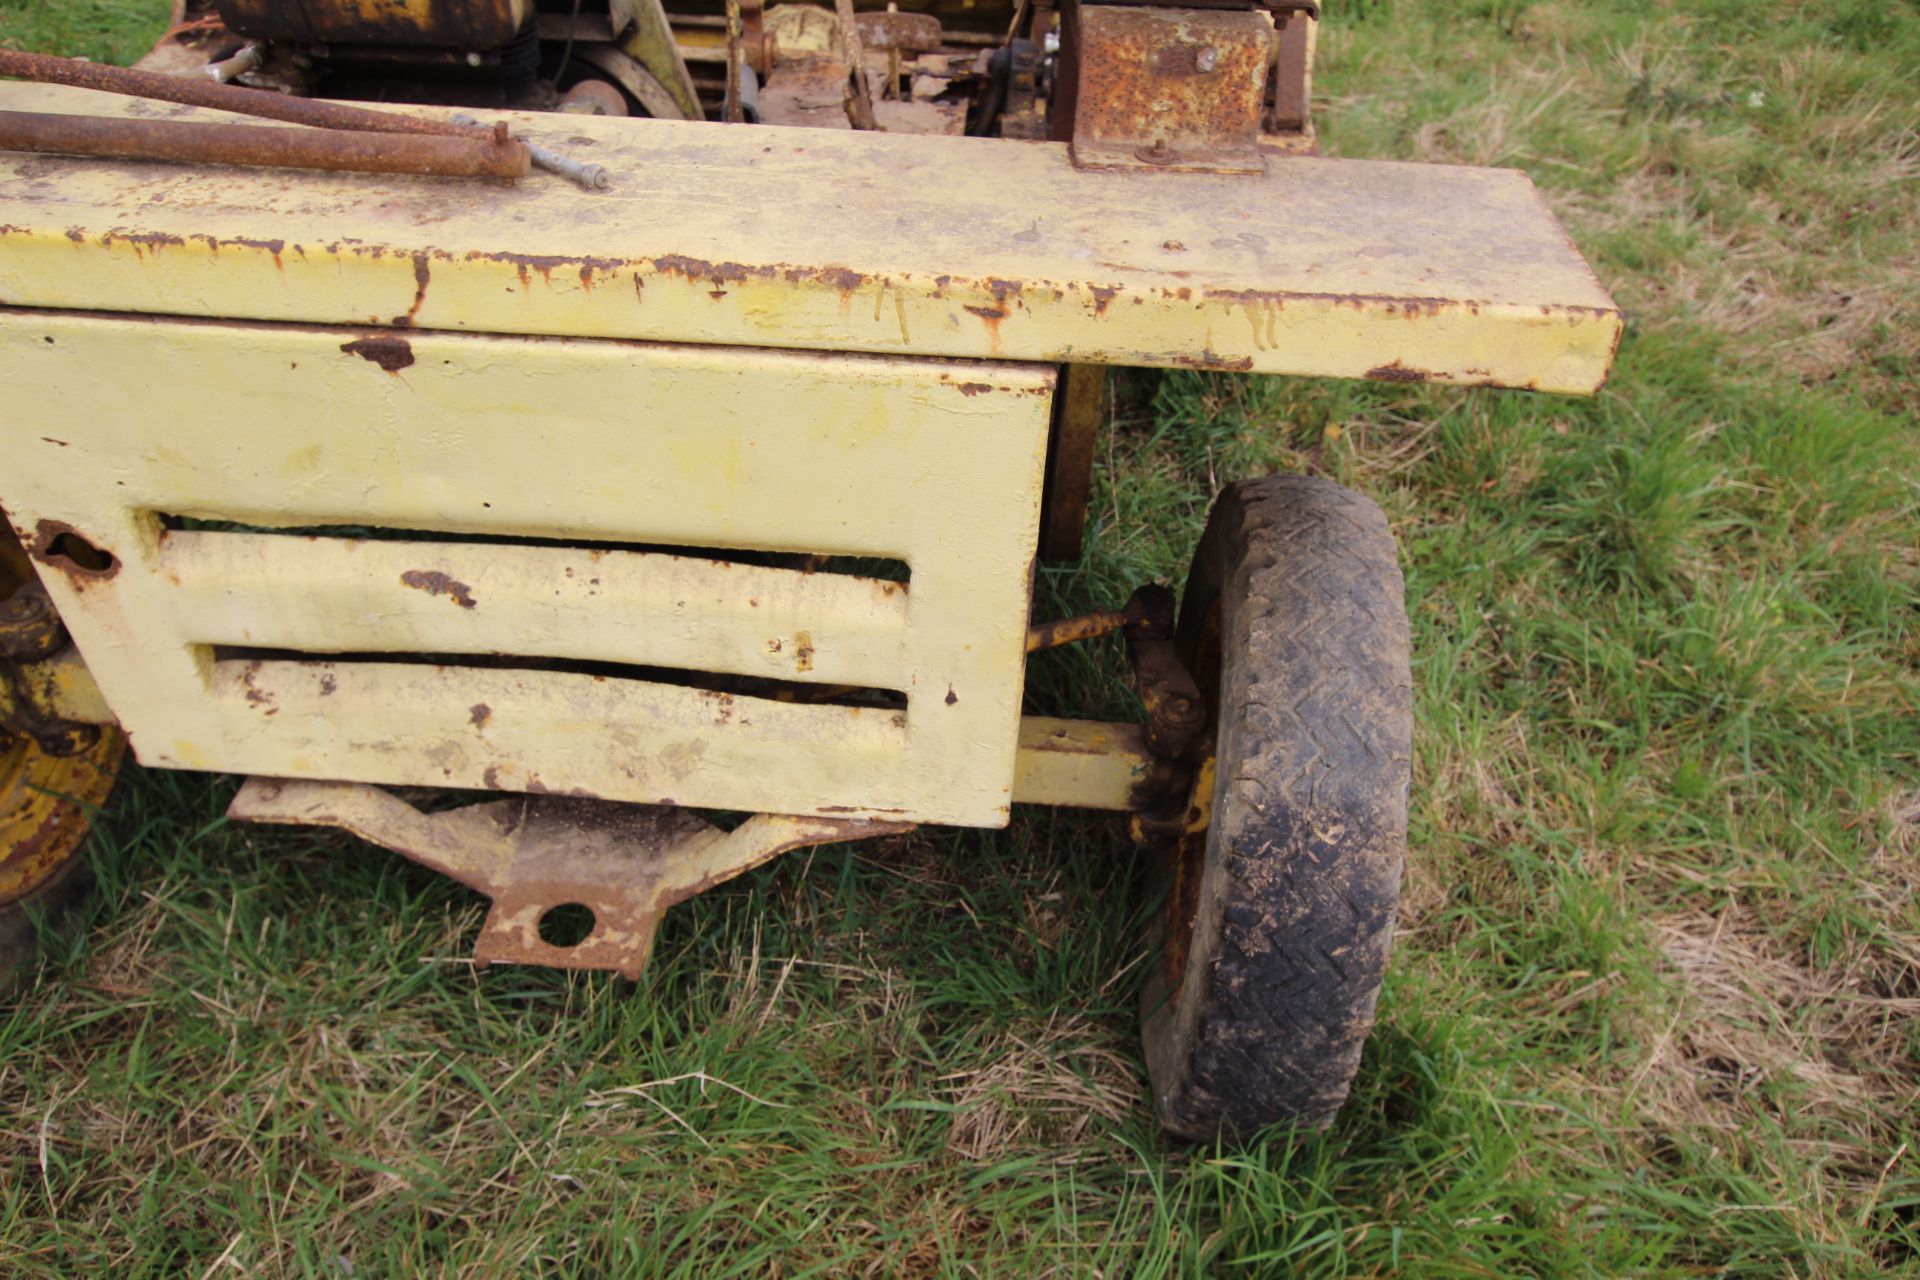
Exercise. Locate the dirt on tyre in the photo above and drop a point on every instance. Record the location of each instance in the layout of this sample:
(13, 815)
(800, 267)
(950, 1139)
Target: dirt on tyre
(1277, 905)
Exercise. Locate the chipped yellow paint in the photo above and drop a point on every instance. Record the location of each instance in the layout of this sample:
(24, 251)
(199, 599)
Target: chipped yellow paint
(844, 241)
(45, 807)
(338, 595)
(59, 688)
(1082, 763)
(267, 653)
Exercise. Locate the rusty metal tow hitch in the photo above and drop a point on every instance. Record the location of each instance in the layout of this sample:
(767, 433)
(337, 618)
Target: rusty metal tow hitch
(536, 855)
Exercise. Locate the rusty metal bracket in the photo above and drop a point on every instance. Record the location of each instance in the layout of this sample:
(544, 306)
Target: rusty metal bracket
(535, 854)
(1171, 89)
(893, 33)
(1080, 409)
(1177, 715)
(859, 93)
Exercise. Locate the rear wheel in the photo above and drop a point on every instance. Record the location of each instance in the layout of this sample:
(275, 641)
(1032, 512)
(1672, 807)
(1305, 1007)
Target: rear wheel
(1278, 901)
(47, 804)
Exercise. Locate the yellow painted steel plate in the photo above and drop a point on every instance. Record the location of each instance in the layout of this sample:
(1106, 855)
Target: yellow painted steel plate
(841, 241)
(520, 564)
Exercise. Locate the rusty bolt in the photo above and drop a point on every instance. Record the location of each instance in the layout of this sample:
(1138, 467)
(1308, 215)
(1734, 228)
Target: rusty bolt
(1207, 59)
(1158, 153)
(30, 629)
(28, 604)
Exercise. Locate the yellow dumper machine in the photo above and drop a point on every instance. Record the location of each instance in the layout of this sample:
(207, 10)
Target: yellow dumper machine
(663, 412)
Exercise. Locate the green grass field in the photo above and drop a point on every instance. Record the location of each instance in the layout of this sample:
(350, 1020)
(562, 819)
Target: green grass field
(1655, 1005)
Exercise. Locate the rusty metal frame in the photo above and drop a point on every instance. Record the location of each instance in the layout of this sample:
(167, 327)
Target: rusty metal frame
(1080, 409)
(533, 854)
(626, 863)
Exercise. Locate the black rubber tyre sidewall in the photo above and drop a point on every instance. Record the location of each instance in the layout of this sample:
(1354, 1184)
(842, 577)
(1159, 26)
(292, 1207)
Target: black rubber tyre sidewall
(1295, 903)
(56, 906)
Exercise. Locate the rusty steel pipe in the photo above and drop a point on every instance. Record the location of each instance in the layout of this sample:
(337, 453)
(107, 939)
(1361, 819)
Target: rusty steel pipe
(1148, 612)
(1085, 626)
(240, 144)
(200, 92)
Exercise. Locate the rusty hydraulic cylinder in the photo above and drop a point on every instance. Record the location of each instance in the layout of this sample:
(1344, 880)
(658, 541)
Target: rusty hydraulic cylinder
(197, 92)
(240, 144)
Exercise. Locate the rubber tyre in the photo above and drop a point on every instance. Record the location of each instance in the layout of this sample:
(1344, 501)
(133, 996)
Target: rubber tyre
(1276, 917)
(57, 906)
(47, 805)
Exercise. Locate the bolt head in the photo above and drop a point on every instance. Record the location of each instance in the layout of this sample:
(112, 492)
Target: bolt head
(1207, 59)
(23, 606)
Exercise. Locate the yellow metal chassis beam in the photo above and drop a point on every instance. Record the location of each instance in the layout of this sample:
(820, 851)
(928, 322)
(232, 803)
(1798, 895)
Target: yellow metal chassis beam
(825, 240)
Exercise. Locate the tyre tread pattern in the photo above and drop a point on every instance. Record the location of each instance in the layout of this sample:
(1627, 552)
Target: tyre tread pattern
(1309, 836)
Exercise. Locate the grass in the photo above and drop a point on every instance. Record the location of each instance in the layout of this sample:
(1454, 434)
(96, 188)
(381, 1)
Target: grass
(1653, 1007)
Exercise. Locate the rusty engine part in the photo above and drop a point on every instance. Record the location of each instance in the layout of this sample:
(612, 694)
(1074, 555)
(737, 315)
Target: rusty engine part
(471, 24)
(234, 144)
(1131, 85)
(894, 33)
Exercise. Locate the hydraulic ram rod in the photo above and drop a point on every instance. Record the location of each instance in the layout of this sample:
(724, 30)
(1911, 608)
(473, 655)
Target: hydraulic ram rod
(239, 144)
